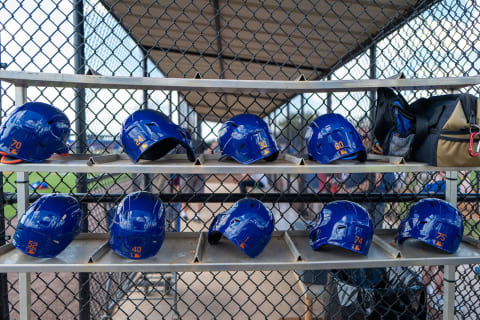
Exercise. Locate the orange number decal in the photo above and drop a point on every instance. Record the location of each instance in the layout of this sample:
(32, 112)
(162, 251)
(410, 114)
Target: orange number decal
(32, 247)
(441, 236)
(15, 146)
(356, 244)
(136, 252)
(358, 240)
(243, 245)
(138, 141)
(339, 145)
(262, 144)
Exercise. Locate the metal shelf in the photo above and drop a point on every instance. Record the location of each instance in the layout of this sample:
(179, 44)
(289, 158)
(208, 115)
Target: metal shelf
(211, 165)
(25, 79)
(189, 251)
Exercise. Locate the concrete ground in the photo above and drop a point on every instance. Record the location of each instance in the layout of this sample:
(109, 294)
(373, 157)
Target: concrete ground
(220, 295)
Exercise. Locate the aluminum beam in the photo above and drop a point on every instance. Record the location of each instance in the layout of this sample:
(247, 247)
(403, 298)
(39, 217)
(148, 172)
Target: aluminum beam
(179, 164)
(24, 279)
(449, 269)
(189, 252)
(22, 78)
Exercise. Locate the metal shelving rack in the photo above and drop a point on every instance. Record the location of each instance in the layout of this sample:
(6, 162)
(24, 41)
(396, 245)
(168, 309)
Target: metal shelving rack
(287, 250)
(189, 252)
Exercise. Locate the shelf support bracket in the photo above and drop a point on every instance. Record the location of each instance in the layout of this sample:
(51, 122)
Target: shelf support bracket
(385, 246)
(102, 159)
(293, 249)
(199, 249)
(293, 159)
(99, 252)
(6, 248)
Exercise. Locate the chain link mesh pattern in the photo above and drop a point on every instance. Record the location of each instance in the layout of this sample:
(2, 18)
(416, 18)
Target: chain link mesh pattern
(236, 40)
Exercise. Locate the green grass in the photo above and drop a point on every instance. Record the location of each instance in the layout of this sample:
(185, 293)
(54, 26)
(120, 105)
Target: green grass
(58, 182)
(471, 227)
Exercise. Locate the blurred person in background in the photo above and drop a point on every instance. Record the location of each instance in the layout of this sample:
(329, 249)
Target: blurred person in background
(255, 181)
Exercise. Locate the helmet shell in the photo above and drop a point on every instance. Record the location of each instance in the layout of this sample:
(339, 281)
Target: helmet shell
(138, 228)
(149, 134)
(248, 224)
(344, 224)
(35, 131)
(247, 139)
(48, 226)
(331, 137)
(434, 222)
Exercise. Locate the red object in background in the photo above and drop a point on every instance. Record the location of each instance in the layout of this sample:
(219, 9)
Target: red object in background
(326, 183)
(334, 188)
(44, 185)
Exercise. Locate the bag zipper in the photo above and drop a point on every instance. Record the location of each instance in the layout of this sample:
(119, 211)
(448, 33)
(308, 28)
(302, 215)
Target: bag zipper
(453, 139)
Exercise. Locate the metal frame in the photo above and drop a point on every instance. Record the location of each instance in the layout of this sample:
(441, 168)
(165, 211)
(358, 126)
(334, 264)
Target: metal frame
(4, 312)
(449, 269)
(21, 78)
(24, 279)
(189, 252)
(197, 258)
(179, 164)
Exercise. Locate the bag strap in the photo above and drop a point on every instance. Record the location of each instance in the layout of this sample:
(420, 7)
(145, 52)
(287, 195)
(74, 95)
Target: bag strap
(468, 102)
(421, 123)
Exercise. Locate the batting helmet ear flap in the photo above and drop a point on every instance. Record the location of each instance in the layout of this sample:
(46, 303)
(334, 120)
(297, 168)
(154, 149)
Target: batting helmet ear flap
(150, 135)
(248, 224)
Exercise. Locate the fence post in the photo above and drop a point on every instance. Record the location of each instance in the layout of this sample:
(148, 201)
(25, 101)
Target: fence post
(3, 276)
(4, 314)
(81, 143)
(449, 270)
(329, 96)
(24, 279)
(371, 177)
(147, 178)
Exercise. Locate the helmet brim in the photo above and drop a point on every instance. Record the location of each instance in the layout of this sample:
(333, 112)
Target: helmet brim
(269, 158)
(318, 246)
(402, 239)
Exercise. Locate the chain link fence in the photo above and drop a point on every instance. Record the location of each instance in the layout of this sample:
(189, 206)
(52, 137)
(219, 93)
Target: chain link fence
(267, 40)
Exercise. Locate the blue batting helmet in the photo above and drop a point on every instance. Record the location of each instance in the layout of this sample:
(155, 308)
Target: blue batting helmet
(248, 224)
(331, 137)
(48, 226)
(435, 222)
(33, 132)
(247, 139)
(344, 224)
(149, 134)
(138, 228)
